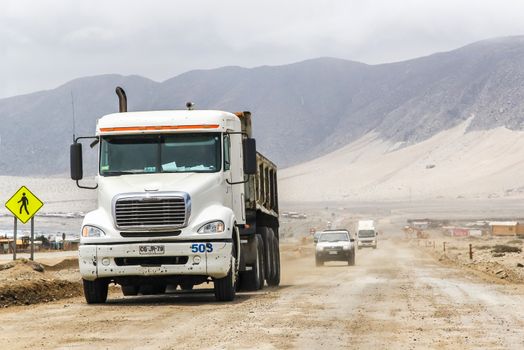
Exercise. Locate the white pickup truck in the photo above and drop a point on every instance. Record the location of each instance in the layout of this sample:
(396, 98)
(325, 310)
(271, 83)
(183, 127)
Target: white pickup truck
(183, 199)
(334, 245)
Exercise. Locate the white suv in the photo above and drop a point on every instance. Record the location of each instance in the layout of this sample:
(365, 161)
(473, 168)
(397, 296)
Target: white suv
(335, 245)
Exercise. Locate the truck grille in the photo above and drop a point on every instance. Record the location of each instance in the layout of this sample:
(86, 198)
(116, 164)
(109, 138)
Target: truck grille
(151, 212)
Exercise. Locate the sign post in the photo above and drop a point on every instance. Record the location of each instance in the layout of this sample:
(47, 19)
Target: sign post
(24, 205)
(32, 238)
(14, 239)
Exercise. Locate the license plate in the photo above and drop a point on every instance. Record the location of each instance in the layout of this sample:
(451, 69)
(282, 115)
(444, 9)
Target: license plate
(151, 249)
(333, 252)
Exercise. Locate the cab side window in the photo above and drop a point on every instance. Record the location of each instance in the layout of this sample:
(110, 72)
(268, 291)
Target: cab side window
(227, 152)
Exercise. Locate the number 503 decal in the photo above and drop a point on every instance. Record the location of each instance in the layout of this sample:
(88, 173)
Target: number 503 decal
(201, 248)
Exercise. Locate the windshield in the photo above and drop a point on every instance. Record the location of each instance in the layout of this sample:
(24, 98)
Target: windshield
(366, 233)
(173, 153)
(333, 237)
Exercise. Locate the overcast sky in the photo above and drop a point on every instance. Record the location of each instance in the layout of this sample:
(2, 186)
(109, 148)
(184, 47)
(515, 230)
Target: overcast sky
(45, 43)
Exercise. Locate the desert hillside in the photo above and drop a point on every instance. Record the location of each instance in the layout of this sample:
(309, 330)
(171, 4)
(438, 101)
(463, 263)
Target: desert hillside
(301, 111)
(451, 164)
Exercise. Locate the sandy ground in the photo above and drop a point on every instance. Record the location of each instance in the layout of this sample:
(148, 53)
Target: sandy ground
(451, 164)
(396, 297)
(499, 257)
(399, 296)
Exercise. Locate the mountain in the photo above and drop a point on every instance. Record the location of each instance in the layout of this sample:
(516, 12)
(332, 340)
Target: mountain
(455, 163)
(301, 111)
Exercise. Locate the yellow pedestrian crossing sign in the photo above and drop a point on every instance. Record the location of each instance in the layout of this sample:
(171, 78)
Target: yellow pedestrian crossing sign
(24, 204)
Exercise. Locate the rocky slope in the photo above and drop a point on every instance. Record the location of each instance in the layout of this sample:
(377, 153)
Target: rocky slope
(301, 110)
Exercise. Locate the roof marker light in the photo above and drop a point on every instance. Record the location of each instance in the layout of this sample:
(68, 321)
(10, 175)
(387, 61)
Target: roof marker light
(159, 127)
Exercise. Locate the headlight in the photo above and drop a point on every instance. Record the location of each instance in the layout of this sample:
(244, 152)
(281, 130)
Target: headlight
(319, 249)
(346, 247)
(92, 231)
(212, 227)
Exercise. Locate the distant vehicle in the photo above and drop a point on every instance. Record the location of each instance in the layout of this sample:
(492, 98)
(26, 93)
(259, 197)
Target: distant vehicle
(366, 234)
(296, 215)
(335, 245)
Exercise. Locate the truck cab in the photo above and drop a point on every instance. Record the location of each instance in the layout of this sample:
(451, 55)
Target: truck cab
(367, 235)
(173, 209)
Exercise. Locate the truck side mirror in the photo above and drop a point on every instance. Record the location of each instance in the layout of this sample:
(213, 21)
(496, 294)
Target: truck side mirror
(77, 172)
(250, 156)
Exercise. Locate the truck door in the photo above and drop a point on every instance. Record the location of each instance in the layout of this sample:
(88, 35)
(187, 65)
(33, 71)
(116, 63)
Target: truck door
(236, 175)
(227, 171)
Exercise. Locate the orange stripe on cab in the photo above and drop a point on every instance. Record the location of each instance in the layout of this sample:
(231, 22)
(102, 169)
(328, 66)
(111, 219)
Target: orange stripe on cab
(159, 127)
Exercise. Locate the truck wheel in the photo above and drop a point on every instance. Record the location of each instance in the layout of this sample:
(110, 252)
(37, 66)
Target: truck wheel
(266, 233)
(318, 261)
(129, 290)
(254, 279)
(274, 279)
(225, 287)
(95, 291)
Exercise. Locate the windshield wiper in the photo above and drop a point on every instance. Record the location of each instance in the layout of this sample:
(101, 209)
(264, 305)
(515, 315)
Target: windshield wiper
(118, 173)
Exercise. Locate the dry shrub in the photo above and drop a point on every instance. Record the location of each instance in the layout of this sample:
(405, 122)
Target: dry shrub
(502, 248)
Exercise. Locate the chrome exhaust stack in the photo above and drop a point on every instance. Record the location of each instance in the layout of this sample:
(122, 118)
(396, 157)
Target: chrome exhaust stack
(122, 99)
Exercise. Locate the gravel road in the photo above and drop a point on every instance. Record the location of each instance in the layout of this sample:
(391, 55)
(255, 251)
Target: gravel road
(396, 297)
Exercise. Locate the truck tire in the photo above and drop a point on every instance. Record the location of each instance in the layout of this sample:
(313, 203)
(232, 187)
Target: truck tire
(254, 279)
(95, 292)
(266, 233)
(225, 287)
(274, 279)
(129, 290)
(318, 262)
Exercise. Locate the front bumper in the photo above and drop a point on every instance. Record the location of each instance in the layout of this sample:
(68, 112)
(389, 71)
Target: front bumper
(333, 255)
(195, 258)
(368, 243)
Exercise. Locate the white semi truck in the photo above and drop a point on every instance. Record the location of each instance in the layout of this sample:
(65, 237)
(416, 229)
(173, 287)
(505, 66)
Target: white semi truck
(183, 199)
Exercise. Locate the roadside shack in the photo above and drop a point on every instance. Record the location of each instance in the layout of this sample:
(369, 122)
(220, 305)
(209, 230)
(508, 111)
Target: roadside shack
(503, 228)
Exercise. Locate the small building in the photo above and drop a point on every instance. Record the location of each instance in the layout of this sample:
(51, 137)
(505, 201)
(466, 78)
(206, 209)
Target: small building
(475, 232)
(503, 228)
(460, 232)
(6, 245)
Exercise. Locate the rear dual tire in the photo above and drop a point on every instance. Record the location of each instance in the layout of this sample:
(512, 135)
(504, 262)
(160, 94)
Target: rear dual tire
(254, 279)
(274, 276)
